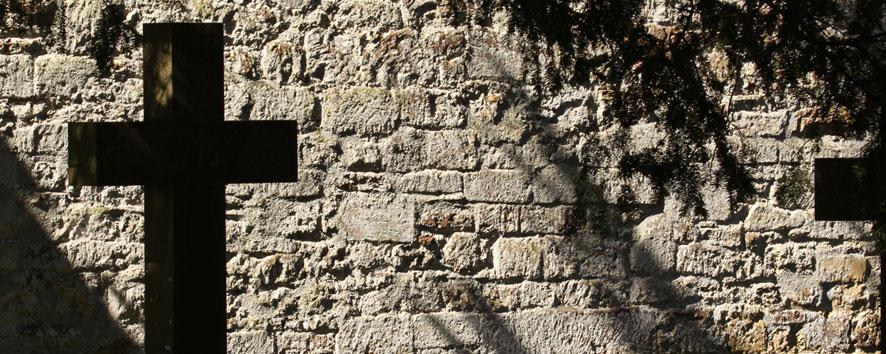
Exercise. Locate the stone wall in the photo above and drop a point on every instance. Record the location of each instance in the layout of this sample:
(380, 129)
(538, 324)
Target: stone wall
(444, 206)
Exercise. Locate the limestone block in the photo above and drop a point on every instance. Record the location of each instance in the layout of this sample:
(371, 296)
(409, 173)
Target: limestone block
(866, 333)
(497, 186)
(376, 217)
(653, 250)
(463, 252)
(362, 111)
(789, 256)
(430, 182)
(445, 215)
(826, 334)
(560, 258)
(379, 15)
(16, 76)
(490, 60)
(760, 124)
(765, 217)
(360, 155)
(801, 289)
(544, 220)
(707, 259)
(251, 342)
(272, 102)
(497, 218)
(62, 75)
(518, 257)
(727, 236)
(317, 149)
(555, 184)
(390, 333)
(841, 268)
(549, 257)
(449, 329)
(409, 150)
(840, 230)
(43, 139)
(293, 342)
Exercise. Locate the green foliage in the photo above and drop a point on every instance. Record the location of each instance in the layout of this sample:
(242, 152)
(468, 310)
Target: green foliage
(825, 53)
(794, 189)
(46, 18)
(108, 35)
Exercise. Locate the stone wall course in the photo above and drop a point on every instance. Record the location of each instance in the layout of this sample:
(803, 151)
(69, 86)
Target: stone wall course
(447, 202)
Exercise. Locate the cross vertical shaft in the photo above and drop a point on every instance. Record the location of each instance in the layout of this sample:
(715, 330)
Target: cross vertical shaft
(184, 215)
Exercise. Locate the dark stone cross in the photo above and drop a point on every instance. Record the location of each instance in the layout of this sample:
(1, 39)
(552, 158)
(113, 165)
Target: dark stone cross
(183, 153)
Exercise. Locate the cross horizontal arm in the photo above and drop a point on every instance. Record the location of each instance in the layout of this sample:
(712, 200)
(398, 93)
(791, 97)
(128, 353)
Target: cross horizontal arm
(847, 189)
(260, 152)
(164, 152)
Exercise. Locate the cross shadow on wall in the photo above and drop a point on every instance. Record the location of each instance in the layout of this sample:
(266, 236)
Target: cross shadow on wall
(618, 288)
(47, 305)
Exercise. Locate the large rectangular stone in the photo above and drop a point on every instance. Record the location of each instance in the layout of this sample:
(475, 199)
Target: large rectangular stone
(272, 102)
(410, 150)
(376, 217)
(518, 257)
(62, 75)
(497, 186)
(841, 268)
(16, 76)
(363, 111)
(379, 334)
(448, 329)
(430, 182)
(497, 218)
(543, 220)
(445, 215)
(549, 257)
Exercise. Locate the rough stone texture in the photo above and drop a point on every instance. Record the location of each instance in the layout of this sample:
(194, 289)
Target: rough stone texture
(439, 209)
(375, 217)
(16, 76)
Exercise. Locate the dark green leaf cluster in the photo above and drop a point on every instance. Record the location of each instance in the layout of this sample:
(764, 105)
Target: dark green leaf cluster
(824, 53)
(47, 19)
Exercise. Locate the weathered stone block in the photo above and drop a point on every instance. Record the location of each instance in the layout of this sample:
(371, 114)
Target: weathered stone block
(497, 186)
(801, 289)
(463, 252)
(444, 215)
(841, 267)
(16, 76)
(555, 184)
(272, 102)
(430, 182)
(654, 249)
(518, 257)
(706, 259)
(62, 75)
(361, 111)
(543, 220)
(789, 256)
(760, 124)
(765, 217)
(409, 150)
(449, 329)
(549, 257)
(376, 217)
(360, 155)
(251, 342)
(826, 334)
(44, 139)
(497, 218)
(381, 334)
